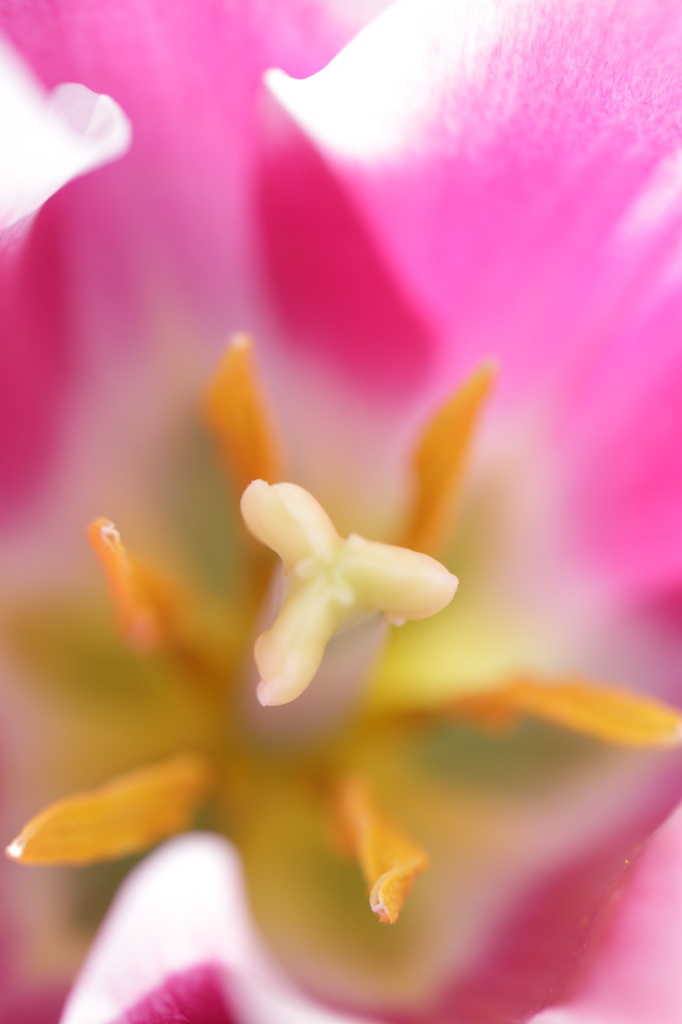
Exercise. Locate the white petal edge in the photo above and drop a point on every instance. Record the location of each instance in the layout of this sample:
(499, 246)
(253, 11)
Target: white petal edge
(47, 139)
(360, 112)
(185, 906)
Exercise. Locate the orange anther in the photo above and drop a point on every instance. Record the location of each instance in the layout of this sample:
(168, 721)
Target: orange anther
(126, 815)
(390, 860)
(237, 413)
(439, 460)
(137, 615)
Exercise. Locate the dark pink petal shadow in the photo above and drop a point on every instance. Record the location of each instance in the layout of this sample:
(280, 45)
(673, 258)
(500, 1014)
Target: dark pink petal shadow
(195, 996)
(187, 76)
(334, 294)
(35, 1006)
(36, 359)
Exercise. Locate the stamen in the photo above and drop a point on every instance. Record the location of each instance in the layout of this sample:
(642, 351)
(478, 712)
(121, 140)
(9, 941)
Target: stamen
(138, 617)
(126, 815)
(155, 614)
(331, 583)
(237, 413)
(439, 460)
(389, 859)
(612, 715)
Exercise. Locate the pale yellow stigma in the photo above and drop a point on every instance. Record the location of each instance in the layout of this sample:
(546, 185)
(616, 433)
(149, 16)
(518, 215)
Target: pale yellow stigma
(331, 582)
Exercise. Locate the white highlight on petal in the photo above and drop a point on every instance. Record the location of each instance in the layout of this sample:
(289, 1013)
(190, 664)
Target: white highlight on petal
(48, 139)
(363, 110)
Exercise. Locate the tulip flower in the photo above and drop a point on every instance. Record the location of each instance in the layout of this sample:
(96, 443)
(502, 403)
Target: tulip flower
(383, 591)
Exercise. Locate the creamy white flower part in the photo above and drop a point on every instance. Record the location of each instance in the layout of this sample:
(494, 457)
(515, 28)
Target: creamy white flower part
(331, 583)
(46, 139)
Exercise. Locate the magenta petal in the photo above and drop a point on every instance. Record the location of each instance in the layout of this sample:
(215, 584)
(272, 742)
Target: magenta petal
(335, 296)
(36, 359)
(188, 76)
(34, 1006)
(493, 151)
(635, 976)
(195, 996)
(162, 242)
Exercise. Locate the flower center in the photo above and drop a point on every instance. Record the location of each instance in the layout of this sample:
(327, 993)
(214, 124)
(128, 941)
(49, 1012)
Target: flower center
(331, 583)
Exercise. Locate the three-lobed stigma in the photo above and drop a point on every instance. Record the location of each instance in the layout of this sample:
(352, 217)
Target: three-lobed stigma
(331, 582)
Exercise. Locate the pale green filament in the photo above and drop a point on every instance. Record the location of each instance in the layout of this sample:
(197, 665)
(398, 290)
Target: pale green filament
(331, 582)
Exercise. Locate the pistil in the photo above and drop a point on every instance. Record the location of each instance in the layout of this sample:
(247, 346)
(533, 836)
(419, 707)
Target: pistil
(331, 583)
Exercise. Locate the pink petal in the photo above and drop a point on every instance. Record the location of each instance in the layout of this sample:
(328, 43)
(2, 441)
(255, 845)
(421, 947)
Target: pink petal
(48, 140)
(514, 169)
(493, 149)
(336, 299)
(36, 358)
(183, 194)
(194, 996)
(162, 244)
(34, 1006)
(636, 970)
(183, 909)
(620, 444)
(178, 942)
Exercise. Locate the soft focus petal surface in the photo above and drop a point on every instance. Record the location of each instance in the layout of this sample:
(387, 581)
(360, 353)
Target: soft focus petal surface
(185, 187)
(494, 147)
(184, 909)
(620, 443)
(160, 248)
(179, 944)
(515, 168)
(46, 141)
(634, 975)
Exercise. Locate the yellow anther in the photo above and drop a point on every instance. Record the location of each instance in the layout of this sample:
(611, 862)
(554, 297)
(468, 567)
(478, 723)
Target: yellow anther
(237, 414)
(126, 815)
(331, 582)
(138, 617)
(610, 714)
(607, 713)
(439, 460)
(390, 860)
